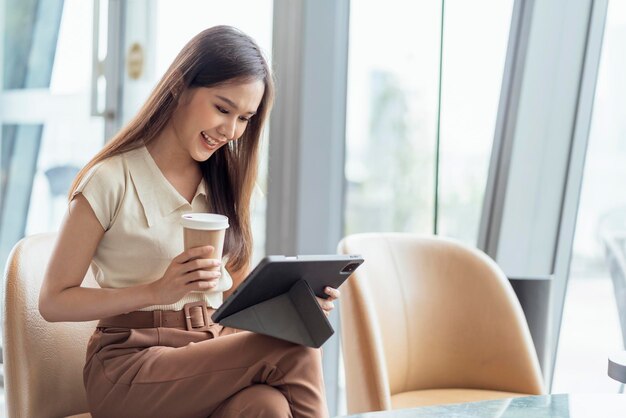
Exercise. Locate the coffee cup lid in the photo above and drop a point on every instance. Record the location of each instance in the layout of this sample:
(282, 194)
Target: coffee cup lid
(204, 221)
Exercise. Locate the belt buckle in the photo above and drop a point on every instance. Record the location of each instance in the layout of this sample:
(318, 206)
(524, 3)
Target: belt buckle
(205, 316)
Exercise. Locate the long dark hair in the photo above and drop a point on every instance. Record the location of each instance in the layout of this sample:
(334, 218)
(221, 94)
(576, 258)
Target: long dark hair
(218, 55)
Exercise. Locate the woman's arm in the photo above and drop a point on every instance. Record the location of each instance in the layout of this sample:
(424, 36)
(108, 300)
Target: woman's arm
(63, 299)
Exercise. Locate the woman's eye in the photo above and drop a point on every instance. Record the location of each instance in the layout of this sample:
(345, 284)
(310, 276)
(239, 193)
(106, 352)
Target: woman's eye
(243, 119)
(222, 110)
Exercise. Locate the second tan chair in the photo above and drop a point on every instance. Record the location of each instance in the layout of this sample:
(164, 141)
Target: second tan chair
(427, 320)
(43, 362)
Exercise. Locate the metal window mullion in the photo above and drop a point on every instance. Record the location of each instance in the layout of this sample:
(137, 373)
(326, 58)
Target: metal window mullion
(578, 151)
(283, 175)
(307, 141)
(49, 107)
(3, 7)
(531, 200)
(113, 67)
(498, 176)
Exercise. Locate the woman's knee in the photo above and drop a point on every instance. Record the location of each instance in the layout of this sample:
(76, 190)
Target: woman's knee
(269, 401)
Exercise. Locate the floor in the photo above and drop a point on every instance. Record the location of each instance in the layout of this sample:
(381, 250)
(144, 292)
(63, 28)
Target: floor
(589, 333)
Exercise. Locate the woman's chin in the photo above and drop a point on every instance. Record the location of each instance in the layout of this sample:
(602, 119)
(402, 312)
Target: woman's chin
(202, 156)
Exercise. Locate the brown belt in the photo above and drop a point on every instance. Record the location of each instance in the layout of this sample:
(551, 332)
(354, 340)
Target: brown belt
(193, 317)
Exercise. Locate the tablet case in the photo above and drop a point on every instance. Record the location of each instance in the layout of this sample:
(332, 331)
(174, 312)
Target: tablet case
(278, 297)
(293, 316)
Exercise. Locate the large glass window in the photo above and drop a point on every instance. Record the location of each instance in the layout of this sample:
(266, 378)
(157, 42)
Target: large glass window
(395, 120)
(391, 122)
(475, 38)
(590, 328)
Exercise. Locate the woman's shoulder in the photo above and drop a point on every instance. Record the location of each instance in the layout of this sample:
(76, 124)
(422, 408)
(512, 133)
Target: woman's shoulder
(111, 165)
(116, 167)
(104, 187)
(111, 170)
(108, 174)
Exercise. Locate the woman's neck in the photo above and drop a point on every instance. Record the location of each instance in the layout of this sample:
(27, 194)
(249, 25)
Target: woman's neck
(170, 157)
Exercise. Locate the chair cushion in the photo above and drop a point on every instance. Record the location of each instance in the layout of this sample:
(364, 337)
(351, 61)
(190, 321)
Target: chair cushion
(428, 397)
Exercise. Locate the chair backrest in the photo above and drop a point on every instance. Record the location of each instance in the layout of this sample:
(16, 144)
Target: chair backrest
(427, 312)
(43, 361)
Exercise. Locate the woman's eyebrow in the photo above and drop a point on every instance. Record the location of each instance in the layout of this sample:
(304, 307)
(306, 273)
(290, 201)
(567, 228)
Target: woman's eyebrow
(232, 104)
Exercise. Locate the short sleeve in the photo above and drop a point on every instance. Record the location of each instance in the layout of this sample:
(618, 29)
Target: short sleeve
(103, 186)
(226, 281)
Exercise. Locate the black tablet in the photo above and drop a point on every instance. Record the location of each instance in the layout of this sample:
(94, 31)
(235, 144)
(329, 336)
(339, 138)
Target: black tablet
(275, 275)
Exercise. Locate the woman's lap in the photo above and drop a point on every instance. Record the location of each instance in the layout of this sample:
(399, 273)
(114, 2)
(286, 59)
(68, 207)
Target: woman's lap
(173, 371)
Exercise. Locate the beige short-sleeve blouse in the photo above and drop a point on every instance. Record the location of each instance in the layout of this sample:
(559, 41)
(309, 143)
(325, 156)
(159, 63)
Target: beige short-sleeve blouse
(140, 212)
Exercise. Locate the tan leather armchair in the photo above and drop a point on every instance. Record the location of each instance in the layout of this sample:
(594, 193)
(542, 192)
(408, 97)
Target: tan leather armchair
(426, 320)
(43, 361)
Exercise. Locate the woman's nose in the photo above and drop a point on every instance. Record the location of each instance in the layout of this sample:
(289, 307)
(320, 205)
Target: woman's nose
(228, 129)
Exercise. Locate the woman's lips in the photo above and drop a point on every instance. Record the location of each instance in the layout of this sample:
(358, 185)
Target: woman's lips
(208, 142)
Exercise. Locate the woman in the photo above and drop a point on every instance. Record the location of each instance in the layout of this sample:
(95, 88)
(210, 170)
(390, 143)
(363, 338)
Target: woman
(193, 147)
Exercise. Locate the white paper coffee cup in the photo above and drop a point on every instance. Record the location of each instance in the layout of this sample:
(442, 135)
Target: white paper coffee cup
(201, 229)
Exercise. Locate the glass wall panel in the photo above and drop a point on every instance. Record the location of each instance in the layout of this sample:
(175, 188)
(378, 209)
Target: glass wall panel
(30, 34)
(475, 38)
(19, 151)
(591, 327)
(393, 110)
(391, 122)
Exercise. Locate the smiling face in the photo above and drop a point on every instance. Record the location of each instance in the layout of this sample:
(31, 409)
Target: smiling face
(207, 118)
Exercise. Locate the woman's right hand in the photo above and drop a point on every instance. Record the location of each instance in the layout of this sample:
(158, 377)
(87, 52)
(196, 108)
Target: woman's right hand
(190, 270)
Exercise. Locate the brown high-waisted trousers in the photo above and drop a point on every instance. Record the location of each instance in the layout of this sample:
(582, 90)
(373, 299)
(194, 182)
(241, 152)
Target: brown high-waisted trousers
(222, 372)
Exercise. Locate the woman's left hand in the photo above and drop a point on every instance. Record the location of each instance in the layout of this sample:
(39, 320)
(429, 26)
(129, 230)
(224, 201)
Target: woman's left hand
(327, 305)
